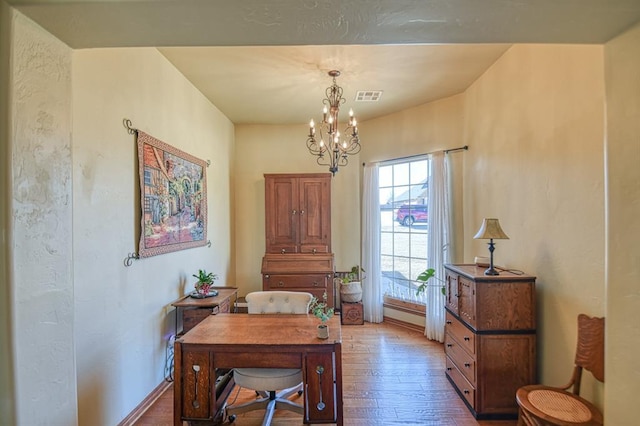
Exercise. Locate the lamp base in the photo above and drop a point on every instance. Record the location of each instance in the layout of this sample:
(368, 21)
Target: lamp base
(491, 271)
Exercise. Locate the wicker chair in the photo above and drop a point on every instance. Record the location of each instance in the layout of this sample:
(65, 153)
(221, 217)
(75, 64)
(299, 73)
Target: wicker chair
(265, 381)
(544, 405)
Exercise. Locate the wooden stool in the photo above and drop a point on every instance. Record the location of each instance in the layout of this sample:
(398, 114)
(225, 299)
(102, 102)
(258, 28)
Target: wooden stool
(351, 313)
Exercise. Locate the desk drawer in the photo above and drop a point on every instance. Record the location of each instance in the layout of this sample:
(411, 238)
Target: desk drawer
(282, 282)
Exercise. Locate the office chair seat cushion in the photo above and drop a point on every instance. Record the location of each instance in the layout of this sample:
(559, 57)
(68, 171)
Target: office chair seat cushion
(560, 405)
(267, 379)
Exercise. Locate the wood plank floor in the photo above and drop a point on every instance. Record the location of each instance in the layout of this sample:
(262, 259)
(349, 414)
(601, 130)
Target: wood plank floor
(391, 376)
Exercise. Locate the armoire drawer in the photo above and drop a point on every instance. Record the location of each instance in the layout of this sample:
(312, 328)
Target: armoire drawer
(288, 281)
(462, 334)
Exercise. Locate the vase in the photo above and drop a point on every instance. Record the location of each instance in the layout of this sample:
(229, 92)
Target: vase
(323, 331)
(351, 292)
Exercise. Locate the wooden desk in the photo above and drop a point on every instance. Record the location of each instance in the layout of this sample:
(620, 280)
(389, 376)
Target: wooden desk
(243, 340)
(195, 310)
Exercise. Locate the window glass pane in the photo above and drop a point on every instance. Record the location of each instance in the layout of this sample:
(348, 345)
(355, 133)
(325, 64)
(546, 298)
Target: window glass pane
(403, 226)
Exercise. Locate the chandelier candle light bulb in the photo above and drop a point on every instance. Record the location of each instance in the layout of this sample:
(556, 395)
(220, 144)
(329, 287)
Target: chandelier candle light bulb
(338, 149)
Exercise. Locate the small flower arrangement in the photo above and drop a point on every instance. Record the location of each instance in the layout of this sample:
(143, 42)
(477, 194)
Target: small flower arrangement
(320, 309)
(205, 281)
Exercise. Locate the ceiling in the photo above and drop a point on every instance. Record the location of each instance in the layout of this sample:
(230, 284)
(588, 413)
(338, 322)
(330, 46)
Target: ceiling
(266, 61)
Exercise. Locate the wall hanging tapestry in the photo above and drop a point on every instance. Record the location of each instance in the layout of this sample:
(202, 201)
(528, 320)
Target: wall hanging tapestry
(173, 198)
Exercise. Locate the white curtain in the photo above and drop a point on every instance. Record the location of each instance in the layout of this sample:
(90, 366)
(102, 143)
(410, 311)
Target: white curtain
(371, 288)
(438, 245)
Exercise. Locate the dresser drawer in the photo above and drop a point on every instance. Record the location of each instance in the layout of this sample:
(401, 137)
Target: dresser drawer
(465, 362)
(462, 334)
(465, 388)
(289, 281)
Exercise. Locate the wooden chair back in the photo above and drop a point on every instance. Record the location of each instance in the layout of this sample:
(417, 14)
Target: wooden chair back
(589, 351)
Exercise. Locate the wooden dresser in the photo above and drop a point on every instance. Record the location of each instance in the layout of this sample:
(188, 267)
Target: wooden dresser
(298, 234)
(490, 338)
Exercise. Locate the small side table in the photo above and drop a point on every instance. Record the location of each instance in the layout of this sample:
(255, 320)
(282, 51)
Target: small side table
(351, 313)
(195, 310)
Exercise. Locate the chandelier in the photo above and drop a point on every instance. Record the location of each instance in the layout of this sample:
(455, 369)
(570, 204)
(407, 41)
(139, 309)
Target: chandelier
(332, 148)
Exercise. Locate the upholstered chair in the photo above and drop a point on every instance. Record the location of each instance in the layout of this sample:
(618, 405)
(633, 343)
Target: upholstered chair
(272, 385)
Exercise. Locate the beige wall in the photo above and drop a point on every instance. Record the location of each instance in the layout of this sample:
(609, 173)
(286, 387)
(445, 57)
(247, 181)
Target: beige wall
(121, 326)
(622, 371)
(534, 125)
(281, 149)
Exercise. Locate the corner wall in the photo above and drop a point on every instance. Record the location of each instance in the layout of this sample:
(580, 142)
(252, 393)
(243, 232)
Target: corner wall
(535, 126)
(41, 242)
(7, 393)
(622, 372)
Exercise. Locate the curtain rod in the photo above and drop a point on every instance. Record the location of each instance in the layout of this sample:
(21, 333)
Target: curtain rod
(446, 151)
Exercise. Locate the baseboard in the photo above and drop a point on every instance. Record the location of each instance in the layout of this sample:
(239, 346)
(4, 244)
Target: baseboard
(404, 324)
(145, 404)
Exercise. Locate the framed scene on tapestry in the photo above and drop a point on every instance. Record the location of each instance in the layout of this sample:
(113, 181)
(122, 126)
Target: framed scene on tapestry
(173, 198)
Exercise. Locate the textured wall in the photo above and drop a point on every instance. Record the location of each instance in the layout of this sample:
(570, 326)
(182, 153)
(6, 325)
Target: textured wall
(535, 125)
(622, 65)
(42, 239)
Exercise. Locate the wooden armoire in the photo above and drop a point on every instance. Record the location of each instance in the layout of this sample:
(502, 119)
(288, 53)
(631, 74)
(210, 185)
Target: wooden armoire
(298, 253)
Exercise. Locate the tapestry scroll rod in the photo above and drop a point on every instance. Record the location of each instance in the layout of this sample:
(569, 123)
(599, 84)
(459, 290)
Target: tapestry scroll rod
(132, 131)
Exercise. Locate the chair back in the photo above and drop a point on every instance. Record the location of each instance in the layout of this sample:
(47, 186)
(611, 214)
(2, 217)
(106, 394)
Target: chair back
(590, 349)
(278, 302)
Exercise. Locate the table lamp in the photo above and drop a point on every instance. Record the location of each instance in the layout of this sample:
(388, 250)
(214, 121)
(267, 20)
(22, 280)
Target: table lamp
(491, 230)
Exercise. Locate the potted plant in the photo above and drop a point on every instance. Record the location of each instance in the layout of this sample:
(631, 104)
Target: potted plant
(321, 311)
(351, 285)
(204, 283)
(423, 278)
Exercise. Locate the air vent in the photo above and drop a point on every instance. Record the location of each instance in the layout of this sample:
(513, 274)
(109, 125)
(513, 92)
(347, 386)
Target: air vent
(368, 95)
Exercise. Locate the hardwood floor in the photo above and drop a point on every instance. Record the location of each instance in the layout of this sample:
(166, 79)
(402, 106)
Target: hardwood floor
(391, 376)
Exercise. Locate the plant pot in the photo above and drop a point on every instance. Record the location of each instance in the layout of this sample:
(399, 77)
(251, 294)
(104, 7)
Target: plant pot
(351, 292)
(323, 331)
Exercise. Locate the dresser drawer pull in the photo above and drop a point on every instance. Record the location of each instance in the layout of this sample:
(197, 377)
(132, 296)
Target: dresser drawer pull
(449, 322)
(283, 251)
(314, 251)
(315, 284)
(280, 284)
(449, 345)
(449, 368)
(467, 365)
(466, 338)
(466, 392)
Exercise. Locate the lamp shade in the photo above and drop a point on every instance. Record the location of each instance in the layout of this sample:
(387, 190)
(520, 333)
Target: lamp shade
(490, 229)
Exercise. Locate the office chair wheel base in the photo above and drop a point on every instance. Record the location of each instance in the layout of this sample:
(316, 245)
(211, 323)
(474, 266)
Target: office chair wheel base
(232, 418)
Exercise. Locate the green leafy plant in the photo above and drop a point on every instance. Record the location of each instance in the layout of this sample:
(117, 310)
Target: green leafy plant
(423, 278)
(353, 275)
(320, 309)
(205, 280)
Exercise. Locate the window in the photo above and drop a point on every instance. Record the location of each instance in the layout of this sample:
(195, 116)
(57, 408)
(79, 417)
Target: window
(404, 212)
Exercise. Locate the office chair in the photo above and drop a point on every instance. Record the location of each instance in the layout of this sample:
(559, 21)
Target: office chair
(266, 381)
(544, 405)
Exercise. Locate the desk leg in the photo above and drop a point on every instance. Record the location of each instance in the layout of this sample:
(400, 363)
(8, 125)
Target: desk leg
(177, 383)
(338, 354)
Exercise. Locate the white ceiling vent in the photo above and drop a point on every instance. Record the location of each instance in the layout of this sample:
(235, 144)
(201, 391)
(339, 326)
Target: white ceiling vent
(368, 95)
